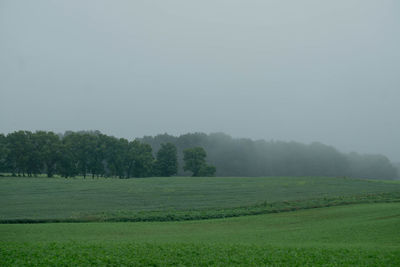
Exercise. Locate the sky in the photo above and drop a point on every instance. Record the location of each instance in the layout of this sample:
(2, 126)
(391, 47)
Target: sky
(326, 71)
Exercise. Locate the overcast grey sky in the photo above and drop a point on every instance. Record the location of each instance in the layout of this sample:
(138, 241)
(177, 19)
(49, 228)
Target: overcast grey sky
(307, 71)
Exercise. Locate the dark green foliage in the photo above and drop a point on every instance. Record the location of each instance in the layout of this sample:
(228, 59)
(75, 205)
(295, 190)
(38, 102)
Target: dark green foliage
(140, 160)
(79, 146)
(195, 161)
(76, 153)
(116, 150)
(207, 171)
(23, 156)
(67, 165)
(48, 146)
(3, 154)
(167, 160)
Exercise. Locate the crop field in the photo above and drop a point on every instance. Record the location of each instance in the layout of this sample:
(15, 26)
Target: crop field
(332, 222)
(101, 199)
(364, 234)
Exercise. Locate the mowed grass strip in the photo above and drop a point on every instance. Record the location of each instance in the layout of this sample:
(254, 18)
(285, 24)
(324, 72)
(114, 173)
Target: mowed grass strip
(363, 235)
(57, 198)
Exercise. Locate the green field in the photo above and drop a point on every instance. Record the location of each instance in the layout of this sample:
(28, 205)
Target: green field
(365, 234)
(339, 234)
(79, 199)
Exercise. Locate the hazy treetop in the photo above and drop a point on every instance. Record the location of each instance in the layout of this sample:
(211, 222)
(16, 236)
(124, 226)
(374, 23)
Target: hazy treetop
(308, 71)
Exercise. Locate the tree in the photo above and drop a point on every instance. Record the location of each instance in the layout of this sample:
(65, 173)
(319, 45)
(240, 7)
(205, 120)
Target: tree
(67, 166)
(96, 154)
(115, 156)
(19, 152)
(207, 170)
(143, 160)
(167, 160)
(48, 146)
(195, 161)
(78, 145)
(3, 153)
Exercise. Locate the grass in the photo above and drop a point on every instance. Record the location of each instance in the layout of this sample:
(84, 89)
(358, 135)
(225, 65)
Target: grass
(190, 255)
(52, 199)
(216, 213)
(340, 234)
(363, 235)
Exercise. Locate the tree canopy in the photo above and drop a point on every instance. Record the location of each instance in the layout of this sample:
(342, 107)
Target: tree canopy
(74, 153)
(91, 153)
(195, 161)
(167, 160)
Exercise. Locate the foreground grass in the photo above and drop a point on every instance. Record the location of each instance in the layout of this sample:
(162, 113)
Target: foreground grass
(190, 255)
(57, 199)
(364, 235)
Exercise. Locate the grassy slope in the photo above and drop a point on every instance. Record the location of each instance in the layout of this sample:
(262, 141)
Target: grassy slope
(38, 198)
(365, 234)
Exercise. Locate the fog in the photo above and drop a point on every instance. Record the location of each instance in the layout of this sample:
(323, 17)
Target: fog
(325, 71)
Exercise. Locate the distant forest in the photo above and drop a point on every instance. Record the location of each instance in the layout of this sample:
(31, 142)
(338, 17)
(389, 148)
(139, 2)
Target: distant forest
(91, 153)
(246, 157)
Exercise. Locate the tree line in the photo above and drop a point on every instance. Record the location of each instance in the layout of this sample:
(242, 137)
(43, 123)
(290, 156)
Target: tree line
(246, 157)
(96, 154)
(93, 154)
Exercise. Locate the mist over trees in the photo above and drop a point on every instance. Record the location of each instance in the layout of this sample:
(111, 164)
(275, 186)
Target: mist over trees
(91, 153)
(246, 157)
(397, 166)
